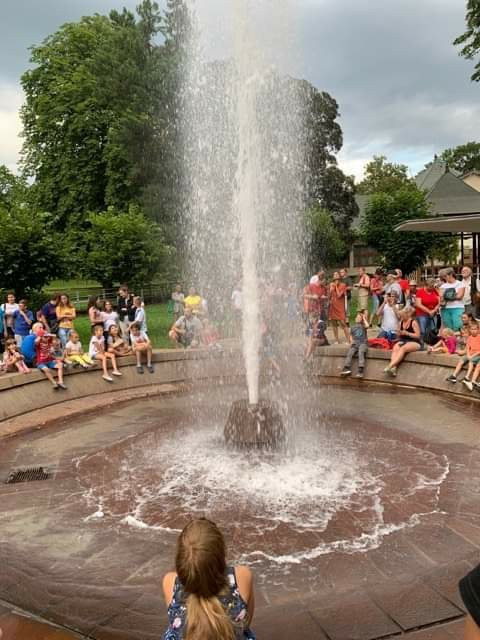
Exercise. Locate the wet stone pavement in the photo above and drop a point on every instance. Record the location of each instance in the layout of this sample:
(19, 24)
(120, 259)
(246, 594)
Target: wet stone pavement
(375, 523)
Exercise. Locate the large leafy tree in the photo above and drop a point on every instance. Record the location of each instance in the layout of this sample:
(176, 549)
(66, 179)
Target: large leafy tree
(464, 158)
(13, 189)
(470, 40)
(385, 177)
(406, 250)
(89, 115)
(30, 249)
(123, 246)
(325, 245)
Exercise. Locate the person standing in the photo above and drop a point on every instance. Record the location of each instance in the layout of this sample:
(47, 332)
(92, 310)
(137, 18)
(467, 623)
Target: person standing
(94, 309)
(125, 310)
(47, 315)
(337, 306)
(376, 289)
(451, 299)
(65, 315)
(471, 297)
(22, 322)
(348, 282)
(427, 305)
(178, 298)
(392, 286)
(140, 317)
(9, 307)
(363, 289)
(194, 301)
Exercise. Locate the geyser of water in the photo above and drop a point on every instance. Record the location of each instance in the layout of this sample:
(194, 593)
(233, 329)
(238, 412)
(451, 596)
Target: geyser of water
(243, 131)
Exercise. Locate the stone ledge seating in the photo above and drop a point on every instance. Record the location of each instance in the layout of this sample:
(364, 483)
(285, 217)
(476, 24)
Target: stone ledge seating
(20, 394)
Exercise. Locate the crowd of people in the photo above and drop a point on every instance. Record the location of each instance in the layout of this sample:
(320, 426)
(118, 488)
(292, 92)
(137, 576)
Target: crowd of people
(437, 315)
(441, 315)
(47, 339)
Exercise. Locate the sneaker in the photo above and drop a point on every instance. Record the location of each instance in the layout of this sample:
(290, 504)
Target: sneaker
(150, 368)
(346, 371)
(139, 368)
(452, 378)
(393, 371)
(117, 373)
(62, 386)
(107, 378)
(468, 383)
(360, 372)
(55, 386)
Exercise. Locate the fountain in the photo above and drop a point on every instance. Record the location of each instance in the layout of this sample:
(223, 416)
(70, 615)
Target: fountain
(244, 162)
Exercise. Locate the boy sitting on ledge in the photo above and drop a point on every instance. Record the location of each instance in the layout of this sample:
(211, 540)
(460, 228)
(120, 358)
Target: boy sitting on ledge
(358, 344)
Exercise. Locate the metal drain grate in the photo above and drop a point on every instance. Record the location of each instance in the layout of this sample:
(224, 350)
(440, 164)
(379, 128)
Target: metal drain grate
(30, 474)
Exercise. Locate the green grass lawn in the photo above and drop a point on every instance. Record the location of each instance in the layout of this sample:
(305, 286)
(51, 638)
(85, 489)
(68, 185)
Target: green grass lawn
(158, 322)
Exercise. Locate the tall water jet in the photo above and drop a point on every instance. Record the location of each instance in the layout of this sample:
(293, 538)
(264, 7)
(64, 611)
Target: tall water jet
(243, 141)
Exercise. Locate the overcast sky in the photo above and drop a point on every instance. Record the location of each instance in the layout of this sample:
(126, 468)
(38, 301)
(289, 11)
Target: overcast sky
(402, 89)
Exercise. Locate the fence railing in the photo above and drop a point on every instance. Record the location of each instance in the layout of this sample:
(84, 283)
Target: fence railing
(150, 293)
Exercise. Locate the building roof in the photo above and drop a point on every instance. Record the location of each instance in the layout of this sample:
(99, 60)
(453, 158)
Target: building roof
(447, 194)
(450, 195)
(443, 224)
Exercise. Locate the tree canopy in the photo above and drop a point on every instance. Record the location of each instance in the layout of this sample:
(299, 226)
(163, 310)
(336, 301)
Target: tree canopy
(123, 247)
(91, 120)
(30, 250)
(382, 176)
(326, 246)
(464, 158)
(470, 39)
(406, 250)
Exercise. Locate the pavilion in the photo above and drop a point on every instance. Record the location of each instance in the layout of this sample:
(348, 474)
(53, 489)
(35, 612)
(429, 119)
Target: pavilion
(455, 207)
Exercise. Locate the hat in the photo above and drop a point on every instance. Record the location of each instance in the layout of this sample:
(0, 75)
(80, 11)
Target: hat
(412, 283)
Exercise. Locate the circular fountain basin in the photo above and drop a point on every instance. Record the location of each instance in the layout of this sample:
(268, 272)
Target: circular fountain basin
(374, 493)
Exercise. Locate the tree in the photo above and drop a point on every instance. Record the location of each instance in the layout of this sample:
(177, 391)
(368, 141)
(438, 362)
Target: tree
(13, 189)
(464, 158)
(123, 247)
(406, 250)
(30, 250)
(382, 176)
(89, 115)
(325, 246)
(470, 40)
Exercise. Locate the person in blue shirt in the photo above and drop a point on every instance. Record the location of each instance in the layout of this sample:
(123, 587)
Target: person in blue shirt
(22, 322)
(28, 345)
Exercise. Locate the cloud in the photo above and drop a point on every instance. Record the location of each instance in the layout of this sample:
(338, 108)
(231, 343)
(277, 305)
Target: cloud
(403, 91)
(11, 98)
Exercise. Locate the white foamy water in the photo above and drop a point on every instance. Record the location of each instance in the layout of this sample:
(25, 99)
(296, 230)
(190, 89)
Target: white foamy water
(330, 495)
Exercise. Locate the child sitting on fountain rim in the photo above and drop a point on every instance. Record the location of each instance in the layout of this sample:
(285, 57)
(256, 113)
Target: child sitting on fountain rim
(141, 344)
(471, 358)
(358, 344)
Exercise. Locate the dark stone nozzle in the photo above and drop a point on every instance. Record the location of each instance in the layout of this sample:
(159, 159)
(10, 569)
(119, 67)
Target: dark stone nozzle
(258, 426)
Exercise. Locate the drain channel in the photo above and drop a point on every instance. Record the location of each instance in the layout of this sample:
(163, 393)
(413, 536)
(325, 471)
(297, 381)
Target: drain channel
(30, 474)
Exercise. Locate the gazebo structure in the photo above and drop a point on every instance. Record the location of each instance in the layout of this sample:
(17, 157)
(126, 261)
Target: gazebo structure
(455, 208)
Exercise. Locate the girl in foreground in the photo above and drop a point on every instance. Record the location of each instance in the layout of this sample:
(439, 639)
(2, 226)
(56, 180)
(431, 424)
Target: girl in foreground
(206, 599)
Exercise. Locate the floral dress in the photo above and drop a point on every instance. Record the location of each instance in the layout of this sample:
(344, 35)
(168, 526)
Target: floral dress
(232, 602)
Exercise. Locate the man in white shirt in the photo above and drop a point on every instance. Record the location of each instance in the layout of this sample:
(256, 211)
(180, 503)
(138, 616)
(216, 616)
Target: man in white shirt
(472, 287)
(388, 312)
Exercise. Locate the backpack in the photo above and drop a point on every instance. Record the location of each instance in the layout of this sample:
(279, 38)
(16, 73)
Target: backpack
(449, 295)
(430, 337)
